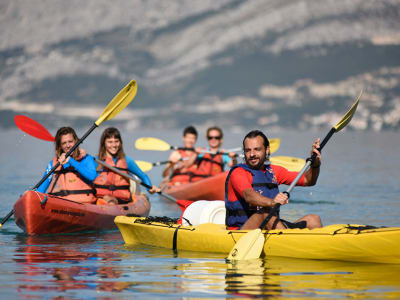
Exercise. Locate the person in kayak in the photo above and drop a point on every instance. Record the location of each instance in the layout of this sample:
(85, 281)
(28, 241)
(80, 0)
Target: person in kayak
(212, 164)
(251, 189)
(112, 188)
(181, 167)
(73, 178)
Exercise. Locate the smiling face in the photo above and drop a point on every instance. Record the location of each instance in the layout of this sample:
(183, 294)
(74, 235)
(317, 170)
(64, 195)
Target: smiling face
(67, 141)
(112, 145)
(214, 139)
(255, 152)
(189, 140)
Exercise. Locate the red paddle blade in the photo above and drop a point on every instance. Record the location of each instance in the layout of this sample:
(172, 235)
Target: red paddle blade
(183, 204)
(33, 128)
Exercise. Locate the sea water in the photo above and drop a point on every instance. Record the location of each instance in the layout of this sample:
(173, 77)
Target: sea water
(358, 183)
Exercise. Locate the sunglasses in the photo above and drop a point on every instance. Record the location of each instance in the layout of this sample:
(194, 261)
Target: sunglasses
(214, 137)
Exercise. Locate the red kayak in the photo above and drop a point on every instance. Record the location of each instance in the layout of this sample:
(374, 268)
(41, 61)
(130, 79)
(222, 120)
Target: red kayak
(37, 213)
(211, 188)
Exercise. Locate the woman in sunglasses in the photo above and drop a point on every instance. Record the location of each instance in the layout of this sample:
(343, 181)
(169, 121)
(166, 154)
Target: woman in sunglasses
(211, 164)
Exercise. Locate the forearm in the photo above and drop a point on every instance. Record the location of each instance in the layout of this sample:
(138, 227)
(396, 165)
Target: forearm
(167, 170)
(311, 176)
(255, 199)
(134, 169)
(86, 167)
(45, 185)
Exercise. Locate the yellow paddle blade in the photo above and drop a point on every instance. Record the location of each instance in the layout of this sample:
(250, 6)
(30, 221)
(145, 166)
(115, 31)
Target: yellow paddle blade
(291, 163)
(144, 165)
(347, 118)
(249, 246)
(150, 143)
(274, 144)
(119, 102)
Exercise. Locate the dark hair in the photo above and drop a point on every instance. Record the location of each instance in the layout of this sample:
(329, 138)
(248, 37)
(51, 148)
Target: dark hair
(110, 132)
(57, 141)
(217, 129)
(255, 133)
(190, 129)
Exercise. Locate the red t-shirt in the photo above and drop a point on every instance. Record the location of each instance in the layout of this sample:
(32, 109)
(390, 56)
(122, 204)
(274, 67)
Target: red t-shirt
(241, 179)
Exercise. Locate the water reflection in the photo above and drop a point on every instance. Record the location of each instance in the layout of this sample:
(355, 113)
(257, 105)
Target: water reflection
(69, 262)
(82, 266)
(295, 278)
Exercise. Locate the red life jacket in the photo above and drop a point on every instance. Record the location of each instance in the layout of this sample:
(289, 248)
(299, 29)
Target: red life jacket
(112, 184)
(69, 184)
(183, 175)
(208, 165)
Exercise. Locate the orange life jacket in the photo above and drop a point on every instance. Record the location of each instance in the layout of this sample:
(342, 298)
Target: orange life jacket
(69, 184)
(208, 165)
(183, 175)
(113, 184)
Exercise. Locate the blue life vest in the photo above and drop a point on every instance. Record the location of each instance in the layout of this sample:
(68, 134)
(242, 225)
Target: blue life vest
(238, 212)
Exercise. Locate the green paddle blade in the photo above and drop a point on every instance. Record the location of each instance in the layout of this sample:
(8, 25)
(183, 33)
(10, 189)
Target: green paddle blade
(291, 163)
(144, 165)
(119, 102)
(349, 115)
(150, 143)
(274, 144)
(249, 246)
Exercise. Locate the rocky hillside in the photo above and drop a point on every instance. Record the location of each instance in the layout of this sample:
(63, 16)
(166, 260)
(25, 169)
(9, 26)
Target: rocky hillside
(276, 63)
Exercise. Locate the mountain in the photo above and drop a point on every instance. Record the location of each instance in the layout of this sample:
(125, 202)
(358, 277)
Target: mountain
(237, 64)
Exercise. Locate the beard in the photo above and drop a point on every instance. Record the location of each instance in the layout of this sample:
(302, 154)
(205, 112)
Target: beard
(256, 165)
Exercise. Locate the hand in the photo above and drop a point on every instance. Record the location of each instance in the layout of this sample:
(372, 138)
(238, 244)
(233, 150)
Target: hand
(314, 149)
(154, 189)
(82, 152)
(62, 160)
(174, 157)
(232, 155)
(198, 150)
(281, 198)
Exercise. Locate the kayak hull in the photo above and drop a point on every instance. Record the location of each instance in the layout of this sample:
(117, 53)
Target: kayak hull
(340, 242)
(34, 215)
(211, 188)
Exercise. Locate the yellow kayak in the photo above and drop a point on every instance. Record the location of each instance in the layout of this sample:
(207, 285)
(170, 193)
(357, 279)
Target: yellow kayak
(342, 242)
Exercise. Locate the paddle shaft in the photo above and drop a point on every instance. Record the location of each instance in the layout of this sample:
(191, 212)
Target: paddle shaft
(302, 171)
(127, 176)
(206, 151)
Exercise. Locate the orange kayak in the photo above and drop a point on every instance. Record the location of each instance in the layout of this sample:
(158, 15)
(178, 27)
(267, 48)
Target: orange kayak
(211, 188)
(37, 213)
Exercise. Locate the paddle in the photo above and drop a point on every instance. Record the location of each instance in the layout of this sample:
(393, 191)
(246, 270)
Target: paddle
(251, 244)
(290, 163)
(147, 166)
(33, 128)
(118, 103)
(155, 144)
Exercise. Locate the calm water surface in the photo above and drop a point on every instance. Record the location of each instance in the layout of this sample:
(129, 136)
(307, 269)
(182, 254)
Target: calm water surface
(358, 184)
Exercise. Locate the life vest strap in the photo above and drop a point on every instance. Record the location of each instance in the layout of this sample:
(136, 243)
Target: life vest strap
(221, 164)
(64, 193)
(268, 185)
(112, 187)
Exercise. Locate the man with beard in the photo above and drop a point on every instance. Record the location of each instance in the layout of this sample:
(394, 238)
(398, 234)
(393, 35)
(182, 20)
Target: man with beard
(252, 188)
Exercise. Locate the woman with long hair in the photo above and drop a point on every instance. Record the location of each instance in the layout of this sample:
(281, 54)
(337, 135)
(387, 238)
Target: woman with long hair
(73, 178)
(112, 188)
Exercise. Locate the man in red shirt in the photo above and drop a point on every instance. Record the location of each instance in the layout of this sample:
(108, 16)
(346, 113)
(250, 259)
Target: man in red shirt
(252, 188)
